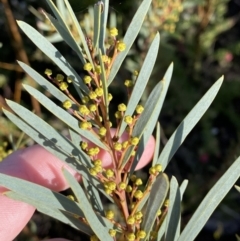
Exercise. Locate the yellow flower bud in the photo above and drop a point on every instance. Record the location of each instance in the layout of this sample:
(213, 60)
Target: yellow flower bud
(102, 131)
(84, 145)
(98, 69)
(59, 77)
(84, 110)
(122, 107)
(158, 167)
(92, 107)
(109, 173)
(130, 236)
(113, 32)
(138, 181)
(85, 99)
(121, 46)
(138, 194)
(92, 95)
(63, 86)
(87, 79)
(99, 91)
(128, 83)
(138, 215)
(48, 72)
(128, 188)
(141, 234)
(110, 97)
(67, 104)
(139, 109)
(118, 115)
(130, 220)
(69, 79)
(87, 67)
(109, 214)
(117, 146)
(128, 119)
(112, 232)
(152, 170)
(134, 141)
(122, 185)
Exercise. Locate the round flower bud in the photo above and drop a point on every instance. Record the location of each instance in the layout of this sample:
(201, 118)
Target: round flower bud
(85, 99)
(87, 79)
(99, 91)
(121, 46)
(134, 141)
(67, 104)
(122, 107)
(48, 72)
(128, 188)
(138, 194)
(113, 32)
(141, 234)
(152, 171)
(110, 97)
(130, 236)
(87, 67)
(130, 220)
(92, 95)
(139, 109)
(138, 215)
(109, 173)
(63, 86)
(109, 214)
(128, 119)
(84, 145)
(158, 167)
(118, 115)
(98, 69)
(122, 185)
(69, 79)
(128, 83)
(102, 131)
(117, 146)
(84, 110)
(138, 182)
(59, 77)
(112, 232)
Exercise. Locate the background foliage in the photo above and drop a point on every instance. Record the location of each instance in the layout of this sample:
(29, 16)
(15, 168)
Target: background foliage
(201, 37)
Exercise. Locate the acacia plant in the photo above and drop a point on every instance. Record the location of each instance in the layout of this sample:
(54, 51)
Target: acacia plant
(143, 211)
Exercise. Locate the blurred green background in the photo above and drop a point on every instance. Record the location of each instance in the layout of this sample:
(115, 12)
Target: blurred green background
(202, 38)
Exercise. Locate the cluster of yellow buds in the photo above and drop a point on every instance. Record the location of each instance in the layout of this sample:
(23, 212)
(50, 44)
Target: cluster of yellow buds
(166, 14)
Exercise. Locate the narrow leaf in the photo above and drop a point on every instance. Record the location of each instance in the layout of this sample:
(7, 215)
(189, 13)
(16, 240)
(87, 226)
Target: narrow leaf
(90, 215)
(47, 48)
(163, 226)
(63, 216)
(156, 199)
(157, 145)
(51, 146)
(187, 124)
(210, 202)
(79, 30)
(63, 115)
(43, 196)
(142, 80)
(103, 26)
(67, 37)
(173, 215)
(130, 36)
(97, 22)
